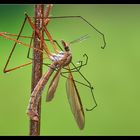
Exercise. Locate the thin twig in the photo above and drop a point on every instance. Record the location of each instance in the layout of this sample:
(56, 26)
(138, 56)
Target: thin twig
(37, 67)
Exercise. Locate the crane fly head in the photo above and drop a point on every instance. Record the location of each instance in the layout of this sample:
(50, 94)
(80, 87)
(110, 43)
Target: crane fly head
(65, 45)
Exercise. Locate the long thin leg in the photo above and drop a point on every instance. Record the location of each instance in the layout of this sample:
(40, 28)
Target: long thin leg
(46, 14)
(31, 40)
(46, 20)
(11, 69)
(90, 88)
(28, 54)
(103, 36)
(16, 41)
(22, 36)
(80, 17)
(19, 42)
(30, 37)
(48, 53)
(51, 40)
(8, 60)
(47, 33)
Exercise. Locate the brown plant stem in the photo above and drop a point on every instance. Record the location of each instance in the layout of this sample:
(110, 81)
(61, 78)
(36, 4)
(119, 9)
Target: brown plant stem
(37, 65)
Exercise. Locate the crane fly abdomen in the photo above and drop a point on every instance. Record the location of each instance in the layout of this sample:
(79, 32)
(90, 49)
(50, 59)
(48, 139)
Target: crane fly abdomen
(60, 60)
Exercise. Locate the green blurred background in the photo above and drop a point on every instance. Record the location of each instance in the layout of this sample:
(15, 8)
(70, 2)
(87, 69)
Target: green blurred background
(114, 72)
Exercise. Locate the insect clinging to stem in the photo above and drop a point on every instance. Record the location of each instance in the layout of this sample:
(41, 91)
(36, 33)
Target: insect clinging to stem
(60, 60)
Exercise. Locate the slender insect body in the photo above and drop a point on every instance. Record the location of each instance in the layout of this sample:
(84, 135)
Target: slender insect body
(36, 94)
(60, 59)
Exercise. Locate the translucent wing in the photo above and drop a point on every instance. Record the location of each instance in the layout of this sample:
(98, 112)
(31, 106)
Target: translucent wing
(79, 39)
(75, 102)
(53, 86)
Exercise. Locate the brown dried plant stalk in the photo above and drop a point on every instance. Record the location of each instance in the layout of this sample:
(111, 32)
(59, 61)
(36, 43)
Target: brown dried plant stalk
(37, 65)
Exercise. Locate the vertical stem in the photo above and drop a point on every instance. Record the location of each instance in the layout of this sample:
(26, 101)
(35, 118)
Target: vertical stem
(37, 65)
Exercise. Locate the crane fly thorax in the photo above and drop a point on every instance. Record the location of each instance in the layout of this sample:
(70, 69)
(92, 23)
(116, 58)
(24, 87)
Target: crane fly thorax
(63, 58)
(57, 57)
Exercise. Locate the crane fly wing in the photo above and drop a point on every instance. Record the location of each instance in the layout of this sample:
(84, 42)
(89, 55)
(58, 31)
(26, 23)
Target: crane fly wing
(53, 86)
(75, 101)
(79, 39)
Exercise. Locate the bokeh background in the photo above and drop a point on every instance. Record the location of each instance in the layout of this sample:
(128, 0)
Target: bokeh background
(114, 72)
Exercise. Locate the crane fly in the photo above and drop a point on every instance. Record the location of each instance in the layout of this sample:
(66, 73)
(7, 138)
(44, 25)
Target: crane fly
(60, 60)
